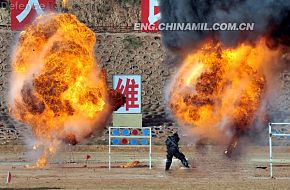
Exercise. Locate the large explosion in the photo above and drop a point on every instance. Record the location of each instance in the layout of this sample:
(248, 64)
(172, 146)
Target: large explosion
(219, 90)
(56, 87)
(222, 87)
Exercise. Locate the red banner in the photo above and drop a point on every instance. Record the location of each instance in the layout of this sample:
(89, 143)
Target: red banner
(150, 15)
(23, 12)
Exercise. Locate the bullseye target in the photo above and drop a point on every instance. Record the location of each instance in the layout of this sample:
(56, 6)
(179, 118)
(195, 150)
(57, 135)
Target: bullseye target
(124, 141)
(126, 132)
(143, 141)
(134, 142)
(135, 132)
(115, 141)
(116, 132)
(146, 132)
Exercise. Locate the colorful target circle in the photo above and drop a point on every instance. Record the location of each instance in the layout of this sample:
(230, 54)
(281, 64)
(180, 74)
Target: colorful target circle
(116, 132)
(135, 132)
(124, 141)
(146, 132)
(115, 141)
(134, 142)
(143, 141)
(125, 132)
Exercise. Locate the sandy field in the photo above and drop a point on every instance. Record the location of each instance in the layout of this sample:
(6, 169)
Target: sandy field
(69, 169)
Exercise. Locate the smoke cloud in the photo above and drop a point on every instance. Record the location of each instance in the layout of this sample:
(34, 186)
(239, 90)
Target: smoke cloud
(271, 20)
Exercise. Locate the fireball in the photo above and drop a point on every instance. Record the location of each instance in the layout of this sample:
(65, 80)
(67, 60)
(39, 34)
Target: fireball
(218, 91)
(56, 86)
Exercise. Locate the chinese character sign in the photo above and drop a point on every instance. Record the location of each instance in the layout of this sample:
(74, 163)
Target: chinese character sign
(23, 12)
(150, 14)
(130, 86)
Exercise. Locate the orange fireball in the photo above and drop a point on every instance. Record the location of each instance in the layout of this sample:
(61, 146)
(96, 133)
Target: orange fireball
(56, 86)
(218, 91)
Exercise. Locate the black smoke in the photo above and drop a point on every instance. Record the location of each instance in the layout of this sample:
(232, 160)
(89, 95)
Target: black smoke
(271, 18)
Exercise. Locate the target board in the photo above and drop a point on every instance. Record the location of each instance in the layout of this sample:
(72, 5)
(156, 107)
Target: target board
(130, 137)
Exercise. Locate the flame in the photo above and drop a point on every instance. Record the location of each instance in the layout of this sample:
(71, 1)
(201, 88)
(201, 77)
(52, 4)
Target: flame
(218, 90)
(133, 164)
(41, 162)
(56, 87)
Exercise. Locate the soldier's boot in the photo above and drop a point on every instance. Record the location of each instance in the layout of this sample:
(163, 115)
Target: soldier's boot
(185, 163)
(168, 164)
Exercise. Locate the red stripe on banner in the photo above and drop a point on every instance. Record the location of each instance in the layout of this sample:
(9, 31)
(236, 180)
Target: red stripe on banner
(23, 12)
(145, 14)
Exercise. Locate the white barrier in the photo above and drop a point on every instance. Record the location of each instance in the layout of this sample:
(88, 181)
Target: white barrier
(271, 135)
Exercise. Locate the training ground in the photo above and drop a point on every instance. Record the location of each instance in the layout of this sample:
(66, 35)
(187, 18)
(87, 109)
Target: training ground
(209, 169)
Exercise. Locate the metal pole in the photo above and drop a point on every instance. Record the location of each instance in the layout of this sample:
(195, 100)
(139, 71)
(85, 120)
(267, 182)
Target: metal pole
(109, 148)
(150, 151)
(270, 150)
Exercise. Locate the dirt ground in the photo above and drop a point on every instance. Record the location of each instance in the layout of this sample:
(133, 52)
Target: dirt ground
(69, 169)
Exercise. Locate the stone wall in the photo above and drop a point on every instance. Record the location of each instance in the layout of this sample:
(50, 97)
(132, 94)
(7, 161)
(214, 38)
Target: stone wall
(107, 15)
(279, 103)
(7, 129)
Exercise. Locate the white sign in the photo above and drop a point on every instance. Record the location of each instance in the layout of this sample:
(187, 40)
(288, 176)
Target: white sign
(130, 86)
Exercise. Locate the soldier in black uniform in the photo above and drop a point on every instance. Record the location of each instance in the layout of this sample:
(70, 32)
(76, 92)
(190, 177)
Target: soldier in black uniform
(173, 150)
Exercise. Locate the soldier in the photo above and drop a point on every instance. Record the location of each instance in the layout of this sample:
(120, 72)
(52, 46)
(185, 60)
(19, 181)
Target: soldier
(173, 150)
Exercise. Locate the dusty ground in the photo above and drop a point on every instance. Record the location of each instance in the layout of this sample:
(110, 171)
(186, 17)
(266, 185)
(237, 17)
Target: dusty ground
(210, 170)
